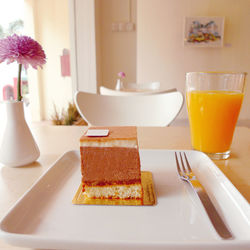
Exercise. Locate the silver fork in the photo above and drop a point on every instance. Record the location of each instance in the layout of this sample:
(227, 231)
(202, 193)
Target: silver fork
(186, 174)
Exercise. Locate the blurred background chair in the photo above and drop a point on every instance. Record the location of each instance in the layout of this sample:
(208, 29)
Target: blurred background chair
(143, 110)
(124, 92)
(142, 86)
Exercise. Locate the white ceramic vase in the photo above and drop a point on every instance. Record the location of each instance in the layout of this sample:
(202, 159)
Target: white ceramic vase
(17, 145)
(119, 84)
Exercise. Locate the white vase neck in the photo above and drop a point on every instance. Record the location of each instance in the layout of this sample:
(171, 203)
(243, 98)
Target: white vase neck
(14, 110)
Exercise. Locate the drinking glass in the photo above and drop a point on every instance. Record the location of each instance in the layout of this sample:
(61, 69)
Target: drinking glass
(214, 101)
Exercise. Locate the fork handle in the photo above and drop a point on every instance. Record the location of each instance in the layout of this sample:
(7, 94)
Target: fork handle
(212, 213)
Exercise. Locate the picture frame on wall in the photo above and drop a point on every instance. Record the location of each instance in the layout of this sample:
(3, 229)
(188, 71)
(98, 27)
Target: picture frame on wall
(204, 31)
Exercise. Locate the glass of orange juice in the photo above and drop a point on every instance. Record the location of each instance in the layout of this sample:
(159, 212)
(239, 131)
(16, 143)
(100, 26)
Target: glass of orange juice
(213, 101)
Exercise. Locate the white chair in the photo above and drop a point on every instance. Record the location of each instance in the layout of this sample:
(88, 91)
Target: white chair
(108, 91)
(142, 86)
(144, 110)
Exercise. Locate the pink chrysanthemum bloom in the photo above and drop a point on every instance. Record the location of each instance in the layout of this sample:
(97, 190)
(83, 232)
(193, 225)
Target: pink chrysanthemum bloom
(22, 49)
(121, 74)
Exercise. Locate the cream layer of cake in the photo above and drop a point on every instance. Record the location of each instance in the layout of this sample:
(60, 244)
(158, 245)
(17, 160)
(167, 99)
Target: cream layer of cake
(111, 165)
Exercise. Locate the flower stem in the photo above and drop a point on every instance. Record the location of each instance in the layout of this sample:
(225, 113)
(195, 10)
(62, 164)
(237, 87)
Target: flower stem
(19, 94)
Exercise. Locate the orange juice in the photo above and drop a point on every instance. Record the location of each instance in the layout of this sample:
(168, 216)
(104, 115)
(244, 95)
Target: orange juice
(213, 116)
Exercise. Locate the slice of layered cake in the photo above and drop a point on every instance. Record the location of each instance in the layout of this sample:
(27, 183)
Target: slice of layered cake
(110, 164)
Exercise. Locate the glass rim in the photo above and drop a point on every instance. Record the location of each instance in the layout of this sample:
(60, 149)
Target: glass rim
(217, 73)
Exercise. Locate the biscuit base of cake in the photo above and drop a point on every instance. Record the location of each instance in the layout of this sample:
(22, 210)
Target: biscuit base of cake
(132, 191)
(148, 195)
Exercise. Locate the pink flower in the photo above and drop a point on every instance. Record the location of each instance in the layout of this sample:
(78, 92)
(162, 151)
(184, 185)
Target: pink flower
(25, 51)
(121, 75)
(22, 49)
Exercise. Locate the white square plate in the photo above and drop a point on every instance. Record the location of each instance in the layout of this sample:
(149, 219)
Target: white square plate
(45, 217)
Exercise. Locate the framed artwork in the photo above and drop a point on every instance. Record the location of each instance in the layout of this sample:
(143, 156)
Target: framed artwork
(204, 31)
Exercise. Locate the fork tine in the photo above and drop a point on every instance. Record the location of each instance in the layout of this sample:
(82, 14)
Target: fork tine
(187, 163)
(177, 163)
(183, 165)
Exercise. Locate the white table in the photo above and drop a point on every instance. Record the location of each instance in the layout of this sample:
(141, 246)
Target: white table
(53, 141)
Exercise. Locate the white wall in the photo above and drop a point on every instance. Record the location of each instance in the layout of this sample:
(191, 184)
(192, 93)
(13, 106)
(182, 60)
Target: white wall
(161, 55)
(116, 51)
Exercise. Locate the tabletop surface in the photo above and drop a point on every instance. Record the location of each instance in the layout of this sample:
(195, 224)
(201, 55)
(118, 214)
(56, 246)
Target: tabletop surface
(53, 141)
